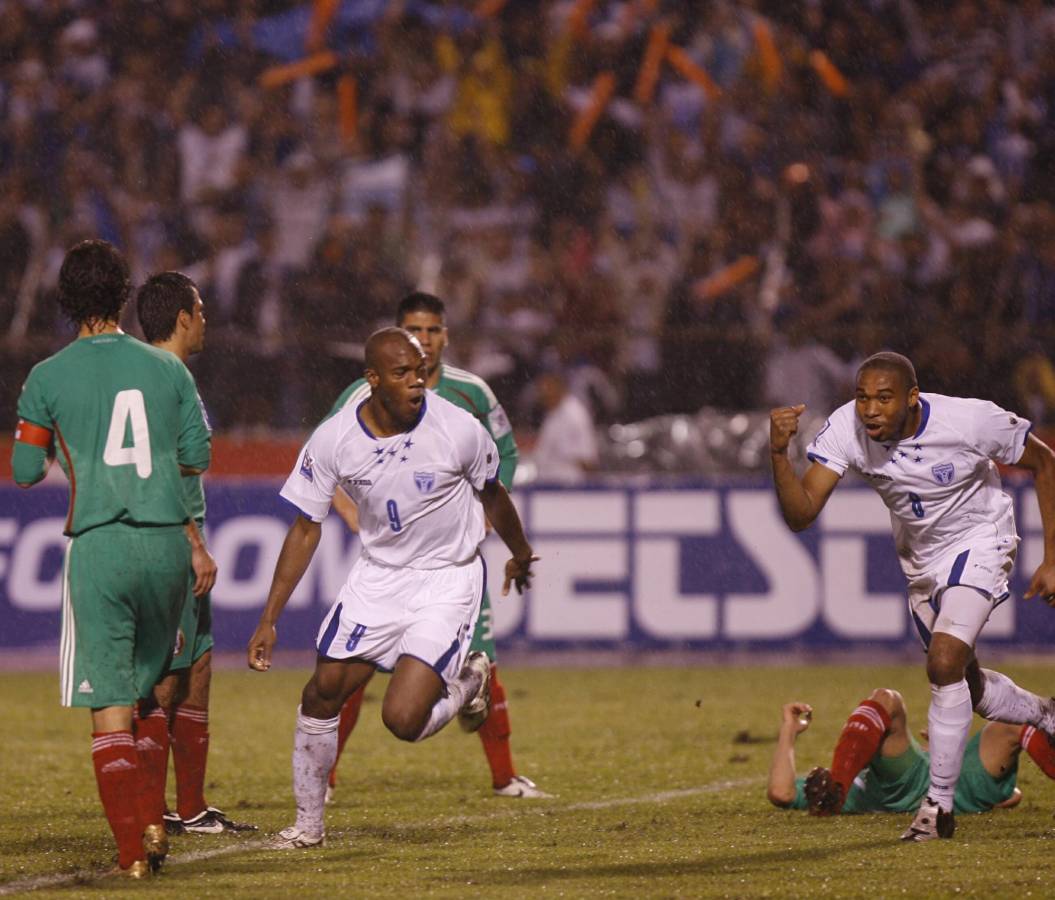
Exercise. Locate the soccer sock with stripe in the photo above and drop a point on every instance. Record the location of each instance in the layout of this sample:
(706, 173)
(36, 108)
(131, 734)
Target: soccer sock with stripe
(152, 744)
(117, 775)
(446, 708)
(349, 716)
(948, 725)
(1038, 745)
(1004, 701)
(190, 751)
(494, 735)
(859, 742)
(314, 753)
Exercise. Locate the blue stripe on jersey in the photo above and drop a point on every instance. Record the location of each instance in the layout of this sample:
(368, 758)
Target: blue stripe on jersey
(922, 629)
(441, 663)
(331, 631)
(923, 418)
(957, 568)
(816, 457)
(362, 424)
(299, 511)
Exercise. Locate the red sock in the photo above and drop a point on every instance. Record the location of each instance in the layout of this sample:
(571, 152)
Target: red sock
(190, 749)
(349, 716)
(152, 745)
(859, 742)
(1037, 744)
(494, 735)
(117, 774)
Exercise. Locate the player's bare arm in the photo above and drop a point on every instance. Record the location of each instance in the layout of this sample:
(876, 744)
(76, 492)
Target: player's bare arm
(503, 516)
(202, 563)
(297, 551)
(1039, 459)
(795, 719)
(801, 500)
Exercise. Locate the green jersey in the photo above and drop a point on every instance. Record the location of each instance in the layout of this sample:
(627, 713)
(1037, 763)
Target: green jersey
(125, 416)
(473, 395)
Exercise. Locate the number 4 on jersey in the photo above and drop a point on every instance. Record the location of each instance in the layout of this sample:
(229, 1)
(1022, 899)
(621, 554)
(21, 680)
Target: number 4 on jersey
(129, 406)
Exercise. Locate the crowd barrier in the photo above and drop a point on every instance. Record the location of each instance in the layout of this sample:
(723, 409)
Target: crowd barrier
(707, 566)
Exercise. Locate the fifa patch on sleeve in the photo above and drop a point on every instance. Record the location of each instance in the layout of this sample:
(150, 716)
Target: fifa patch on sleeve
(34, 435)
(306, 467)
(499, 422)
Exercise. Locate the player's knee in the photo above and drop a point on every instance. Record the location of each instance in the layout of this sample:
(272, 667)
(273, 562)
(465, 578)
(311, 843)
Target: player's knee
(890, 700)
(403, 722)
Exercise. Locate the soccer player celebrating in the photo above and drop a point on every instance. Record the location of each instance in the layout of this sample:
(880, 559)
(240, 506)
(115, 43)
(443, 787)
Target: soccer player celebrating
(423, 316)
(880, 767)
(171, 315)
(128, 424)
(423, 475)
(931, 458)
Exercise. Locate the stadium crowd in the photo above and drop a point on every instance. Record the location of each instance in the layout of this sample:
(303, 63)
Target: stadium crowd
(726, 203)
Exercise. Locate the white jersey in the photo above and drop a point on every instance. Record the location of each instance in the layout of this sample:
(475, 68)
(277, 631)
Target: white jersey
(941, 485)
(415, 490)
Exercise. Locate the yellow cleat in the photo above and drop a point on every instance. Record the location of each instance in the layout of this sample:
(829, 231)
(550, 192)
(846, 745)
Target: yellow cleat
(156, 845)
(138, 870)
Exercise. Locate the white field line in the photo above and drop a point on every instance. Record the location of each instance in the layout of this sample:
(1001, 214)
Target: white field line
(38, 882)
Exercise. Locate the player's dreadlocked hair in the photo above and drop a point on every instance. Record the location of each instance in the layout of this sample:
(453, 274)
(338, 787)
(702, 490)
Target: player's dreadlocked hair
(94, 283)
(159, 302)
(419, 301)
(889, 361)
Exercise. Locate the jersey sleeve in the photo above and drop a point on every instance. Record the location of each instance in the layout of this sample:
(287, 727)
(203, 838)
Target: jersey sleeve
(999, 434)
(194, 447)
(828, 447)
(478, 455)
(34, 437)
(312, 483)
(502, 434)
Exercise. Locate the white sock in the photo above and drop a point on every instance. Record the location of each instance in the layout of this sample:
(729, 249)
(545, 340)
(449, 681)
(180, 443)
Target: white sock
(314, 753)
(446, 708)
(949, 722)
(1004, 701)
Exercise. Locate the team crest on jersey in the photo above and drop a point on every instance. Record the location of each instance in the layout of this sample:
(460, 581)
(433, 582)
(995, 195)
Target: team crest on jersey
(943, 473)
(425, 481)
(306, 468)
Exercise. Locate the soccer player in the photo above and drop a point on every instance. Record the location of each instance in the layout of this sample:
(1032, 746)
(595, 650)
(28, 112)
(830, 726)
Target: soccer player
(931, 458)
(423, 315)
(171, 315)
(880, 767)
(128, 423)
(423, 475)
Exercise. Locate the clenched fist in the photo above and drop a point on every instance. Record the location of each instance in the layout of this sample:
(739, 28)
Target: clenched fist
(783, 423)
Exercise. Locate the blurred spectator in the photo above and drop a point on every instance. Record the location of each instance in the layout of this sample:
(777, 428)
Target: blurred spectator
(566, 451)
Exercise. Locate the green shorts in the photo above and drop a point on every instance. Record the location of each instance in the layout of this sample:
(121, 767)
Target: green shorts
(123, 593)
(484, 635)
(194, 636)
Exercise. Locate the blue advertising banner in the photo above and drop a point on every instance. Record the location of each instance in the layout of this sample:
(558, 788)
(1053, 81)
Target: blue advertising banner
(708, 566)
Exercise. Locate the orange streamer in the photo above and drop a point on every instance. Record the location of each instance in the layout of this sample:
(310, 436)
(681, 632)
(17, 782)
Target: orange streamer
(830, 76)
(276, 76)
(684, 66)
(648, 76)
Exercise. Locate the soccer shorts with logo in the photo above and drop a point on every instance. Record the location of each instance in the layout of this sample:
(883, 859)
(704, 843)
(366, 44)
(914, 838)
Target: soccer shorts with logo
(123, 593)
(985, 567)
(383, 613)
(194, 636)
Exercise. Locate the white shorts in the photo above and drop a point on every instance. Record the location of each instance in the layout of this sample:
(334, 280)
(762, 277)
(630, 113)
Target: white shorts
(985, 567)
(383, 613)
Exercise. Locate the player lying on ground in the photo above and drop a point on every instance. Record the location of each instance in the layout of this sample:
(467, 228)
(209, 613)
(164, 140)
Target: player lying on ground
(423, 474)
(878, 766)
(932, 459)
(171, 315)
(423, 316)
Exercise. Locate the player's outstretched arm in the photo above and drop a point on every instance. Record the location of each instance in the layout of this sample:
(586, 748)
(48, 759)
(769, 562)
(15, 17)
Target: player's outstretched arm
(1039, 458)
(297, 551)
(503, 516)
(801, 500)
(201, 561)
(780, 789)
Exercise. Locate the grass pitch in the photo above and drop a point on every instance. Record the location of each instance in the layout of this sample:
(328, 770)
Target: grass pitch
(659, 774)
